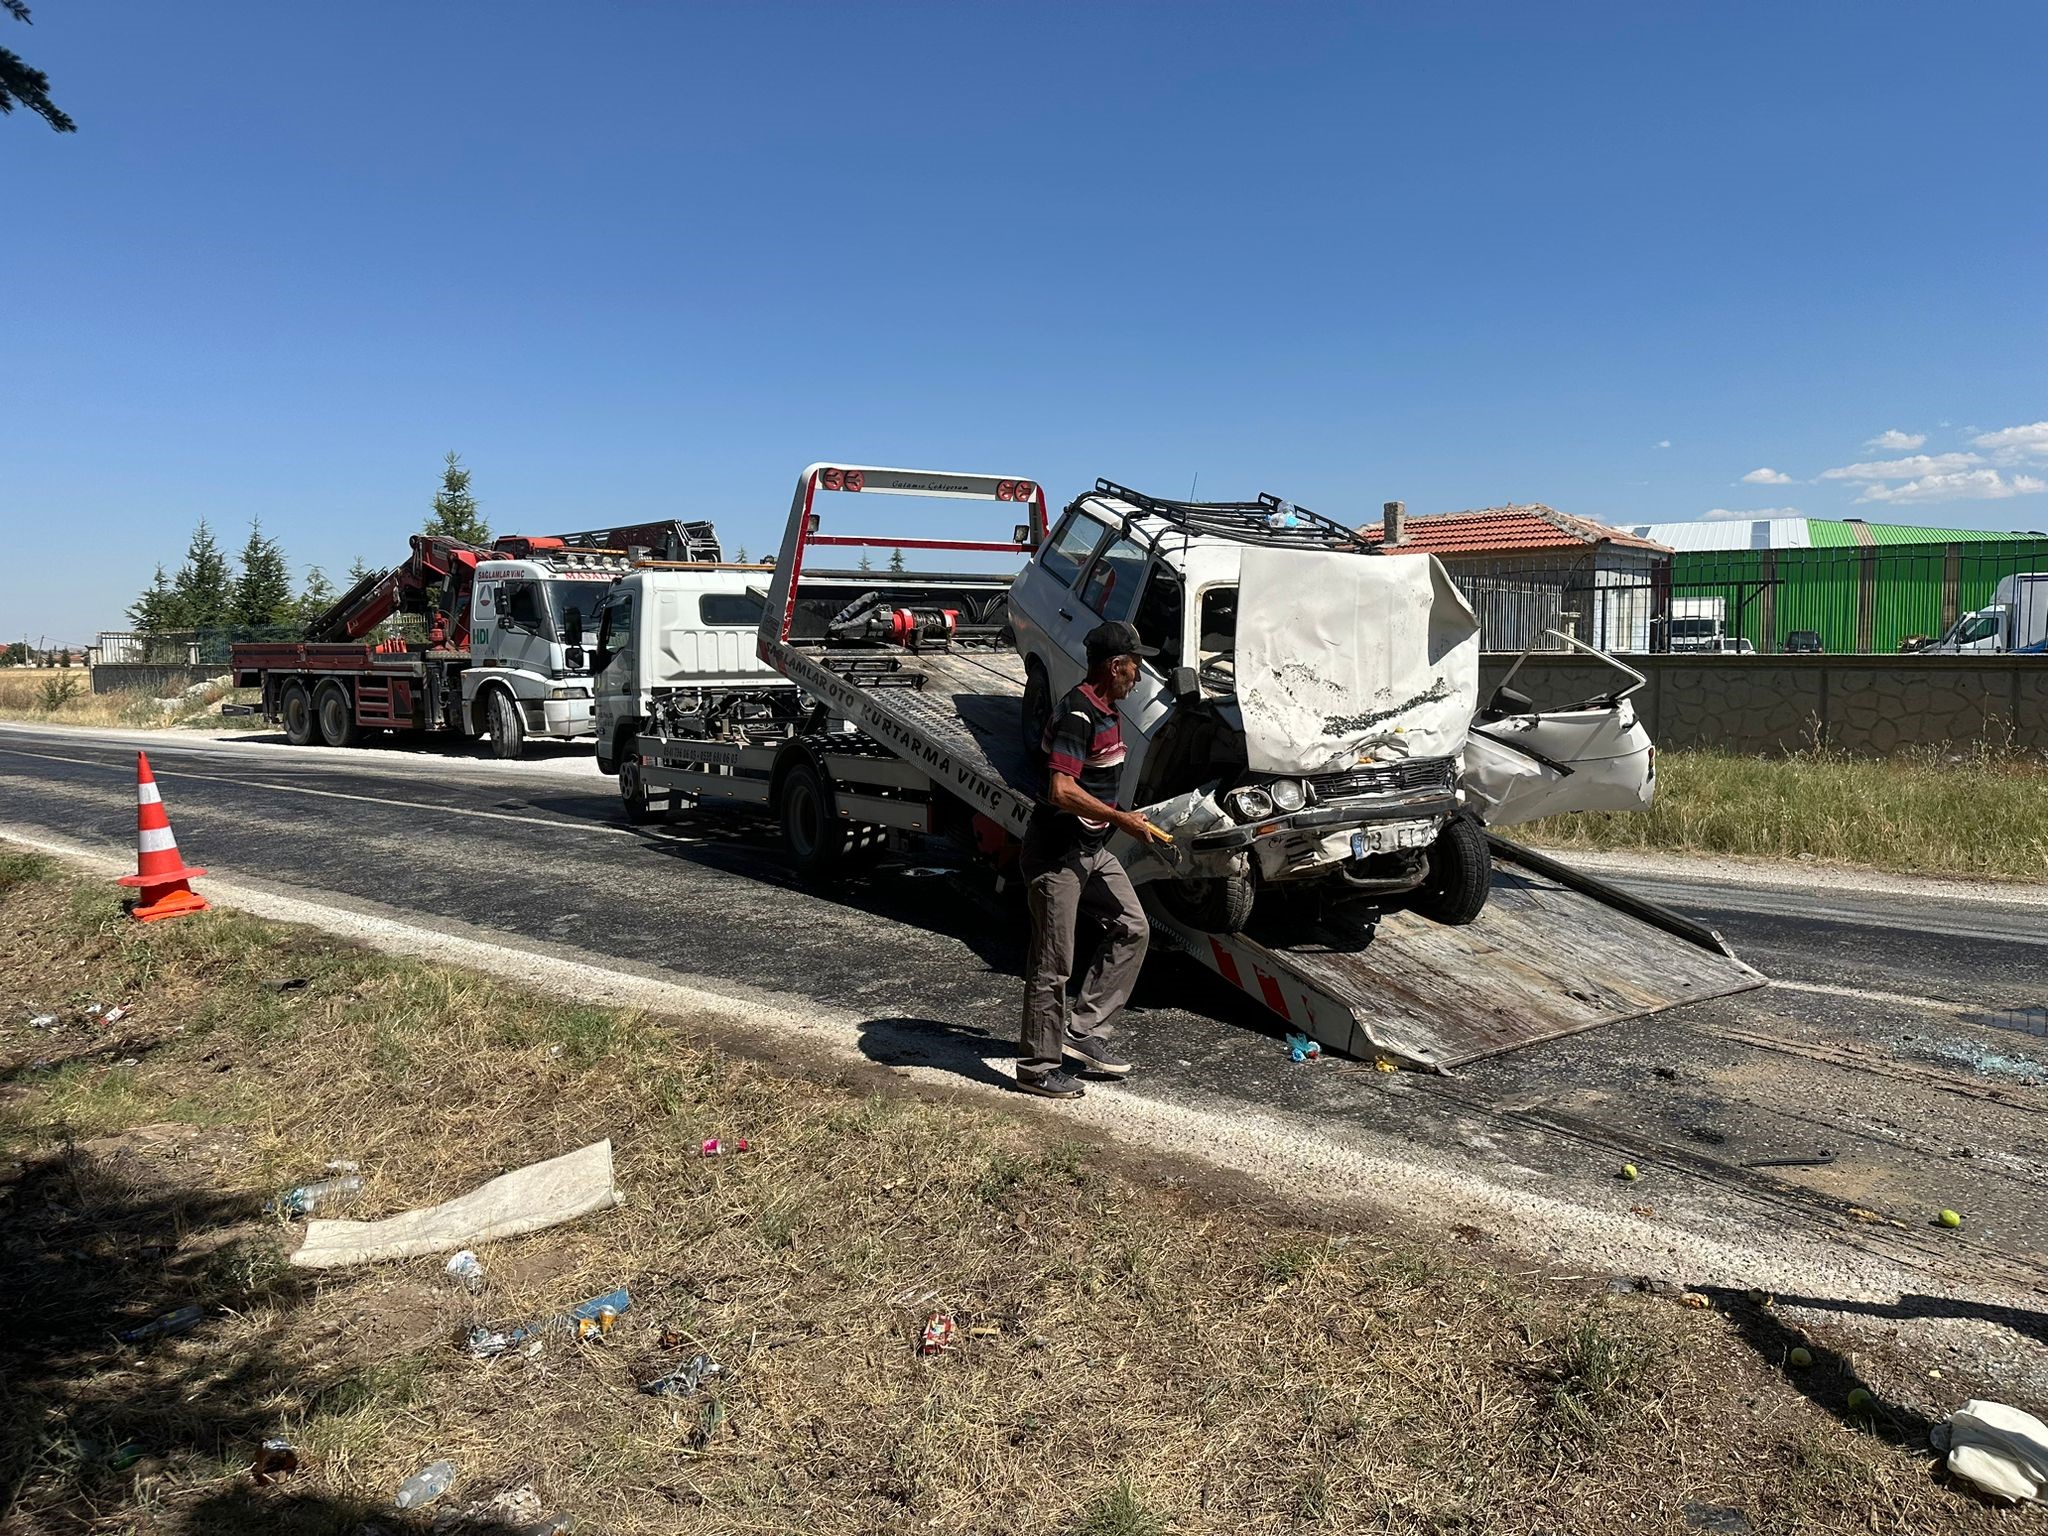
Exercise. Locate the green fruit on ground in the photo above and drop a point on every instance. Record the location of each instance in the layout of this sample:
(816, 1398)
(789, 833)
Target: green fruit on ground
(1858, 1398)
(1628, 1171)
(1951, 1219)
(1801, 1356)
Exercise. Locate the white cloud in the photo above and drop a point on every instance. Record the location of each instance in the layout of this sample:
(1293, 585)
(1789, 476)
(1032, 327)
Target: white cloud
(2015, 445)
(1766, 476)
(1747, 515)
(1664, 442)
(1909, 468)
(1892, 440)
(1963, 485)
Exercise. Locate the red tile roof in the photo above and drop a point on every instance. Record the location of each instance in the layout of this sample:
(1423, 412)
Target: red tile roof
(1506, 530)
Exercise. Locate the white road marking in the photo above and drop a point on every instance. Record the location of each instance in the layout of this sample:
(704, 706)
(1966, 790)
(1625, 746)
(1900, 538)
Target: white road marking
(1863, 995)
(335, 794)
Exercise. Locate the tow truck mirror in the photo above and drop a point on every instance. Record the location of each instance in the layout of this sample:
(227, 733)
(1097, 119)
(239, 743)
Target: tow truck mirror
(1184, 685)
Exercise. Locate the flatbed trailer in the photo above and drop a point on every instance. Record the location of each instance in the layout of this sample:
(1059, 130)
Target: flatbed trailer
(910, 739)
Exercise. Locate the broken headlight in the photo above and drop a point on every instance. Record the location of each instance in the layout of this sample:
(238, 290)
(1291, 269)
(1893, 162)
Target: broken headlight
(1249, 804)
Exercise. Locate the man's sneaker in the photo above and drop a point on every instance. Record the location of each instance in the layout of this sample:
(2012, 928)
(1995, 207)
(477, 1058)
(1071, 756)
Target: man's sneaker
(1056, 1084)
(1097, 1056)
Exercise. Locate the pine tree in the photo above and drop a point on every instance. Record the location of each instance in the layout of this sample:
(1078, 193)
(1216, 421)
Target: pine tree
(358, 569)
(30, 87)
(263, 592)
(455, 511)
(205, 590)
(740, 555)
(158, 608)
(865, 563)
(316, 597)
(896, 561)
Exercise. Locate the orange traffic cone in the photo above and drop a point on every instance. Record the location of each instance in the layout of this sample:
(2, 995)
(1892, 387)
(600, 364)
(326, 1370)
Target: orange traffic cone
(158, 867)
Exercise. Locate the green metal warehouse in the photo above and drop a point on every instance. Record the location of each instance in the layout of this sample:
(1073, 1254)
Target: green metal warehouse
(1860, 586)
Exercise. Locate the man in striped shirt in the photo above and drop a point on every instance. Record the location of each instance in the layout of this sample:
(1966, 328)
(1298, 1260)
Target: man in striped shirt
(1068, 868)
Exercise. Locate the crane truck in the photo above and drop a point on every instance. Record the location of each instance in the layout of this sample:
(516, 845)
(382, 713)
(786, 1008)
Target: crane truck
(886, 707)
(501, 648)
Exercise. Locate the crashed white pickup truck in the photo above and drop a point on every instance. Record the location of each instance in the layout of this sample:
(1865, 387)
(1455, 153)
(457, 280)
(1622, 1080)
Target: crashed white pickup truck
(1311, 729)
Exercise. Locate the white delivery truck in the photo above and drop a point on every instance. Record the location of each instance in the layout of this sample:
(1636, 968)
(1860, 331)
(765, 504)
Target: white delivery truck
(1698, 623)
(2016, 619)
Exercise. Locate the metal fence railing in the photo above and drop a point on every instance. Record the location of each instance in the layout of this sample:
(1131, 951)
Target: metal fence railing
(183, 647)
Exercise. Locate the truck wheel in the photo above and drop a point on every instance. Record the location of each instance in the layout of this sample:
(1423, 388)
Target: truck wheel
(338, 726)
(1037, 709)
(1460, 874)
(508, 727)
(633, 793)
(295, 708)
(1222, 904)
(811, 827)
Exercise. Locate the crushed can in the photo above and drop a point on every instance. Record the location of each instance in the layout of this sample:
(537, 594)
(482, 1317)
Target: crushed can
(940, 1334)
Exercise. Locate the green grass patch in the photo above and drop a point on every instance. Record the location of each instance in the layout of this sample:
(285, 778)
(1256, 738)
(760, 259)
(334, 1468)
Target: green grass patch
(1976, 814)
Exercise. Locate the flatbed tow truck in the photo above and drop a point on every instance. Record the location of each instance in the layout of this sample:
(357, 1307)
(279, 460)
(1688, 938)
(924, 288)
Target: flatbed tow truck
(905, 720)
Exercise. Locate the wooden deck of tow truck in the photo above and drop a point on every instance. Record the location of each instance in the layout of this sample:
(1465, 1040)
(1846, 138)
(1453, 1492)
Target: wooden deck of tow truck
(1554, 952)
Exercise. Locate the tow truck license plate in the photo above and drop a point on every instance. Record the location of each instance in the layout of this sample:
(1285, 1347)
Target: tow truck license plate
(1388, 839)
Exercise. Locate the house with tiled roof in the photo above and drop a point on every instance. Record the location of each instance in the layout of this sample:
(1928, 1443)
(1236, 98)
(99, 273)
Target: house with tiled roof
(1528, 568)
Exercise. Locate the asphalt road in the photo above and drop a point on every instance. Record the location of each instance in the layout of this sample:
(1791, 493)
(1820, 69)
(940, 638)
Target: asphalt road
(1903, 1038)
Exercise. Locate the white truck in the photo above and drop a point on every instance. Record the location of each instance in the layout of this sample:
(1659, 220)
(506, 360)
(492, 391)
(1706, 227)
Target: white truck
(894, 714)
(2015, 620)
(1698, 624)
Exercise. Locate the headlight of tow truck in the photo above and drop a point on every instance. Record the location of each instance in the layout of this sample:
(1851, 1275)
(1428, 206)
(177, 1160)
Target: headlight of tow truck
(1288, 795)
(1249, 804)
(568, 693)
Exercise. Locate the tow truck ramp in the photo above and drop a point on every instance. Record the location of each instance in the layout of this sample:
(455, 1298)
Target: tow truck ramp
(1555, 951)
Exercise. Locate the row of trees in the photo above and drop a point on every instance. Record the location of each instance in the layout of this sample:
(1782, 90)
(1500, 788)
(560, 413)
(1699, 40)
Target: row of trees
(255, 590)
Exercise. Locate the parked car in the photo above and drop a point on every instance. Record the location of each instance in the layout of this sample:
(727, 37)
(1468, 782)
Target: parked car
(1803, 642)
(1303, 731)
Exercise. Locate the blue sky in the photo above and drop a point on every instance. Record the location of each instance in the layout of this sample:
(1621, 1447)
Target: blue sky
(640, 260)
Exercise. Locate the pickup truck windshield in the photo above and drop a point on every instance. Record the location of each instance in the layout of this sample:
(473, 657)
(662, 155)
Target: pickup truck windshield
(584, 597)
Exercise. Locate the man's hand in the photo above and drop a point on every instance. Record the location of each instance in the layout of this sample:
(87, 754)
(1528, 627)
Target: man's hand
(1141, 829)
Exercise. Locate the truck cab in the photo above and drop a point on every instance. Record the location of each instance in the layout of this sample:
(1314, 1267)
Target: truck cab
(675, 637)
(530, 625)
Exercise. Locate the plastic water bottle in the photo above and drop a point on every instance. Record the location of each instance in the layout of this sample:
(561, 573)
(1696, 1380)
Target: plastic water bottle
(301, 1200)
(468, 1271)
(428, 1483)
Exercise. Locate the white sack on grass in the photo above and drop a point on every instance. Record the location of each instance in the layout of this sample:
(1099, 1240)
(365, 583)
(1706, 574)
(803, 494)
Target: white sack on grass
(1347, 658)
(2002, 1450)
(526, 1200)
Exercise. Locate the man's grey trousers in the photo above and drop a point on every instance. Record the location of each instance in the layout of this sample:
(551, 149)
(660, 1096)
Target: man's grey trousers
(1059, 892)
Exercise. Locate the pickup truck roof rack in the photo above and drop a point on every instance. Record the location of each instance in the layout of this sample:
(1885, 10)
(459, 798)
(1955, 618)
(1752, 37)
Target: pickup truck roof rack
(1269, 520)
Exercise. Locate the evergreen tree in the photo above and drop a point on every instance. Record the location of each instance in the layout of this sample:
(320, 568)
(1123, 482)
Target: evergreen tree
(205, 590)
(159, 607)
(896, 560)
(358, 569)
(263, 592)
(865, 563)
(30, 87)
(740, 556)
(455, 512)
(316, 597)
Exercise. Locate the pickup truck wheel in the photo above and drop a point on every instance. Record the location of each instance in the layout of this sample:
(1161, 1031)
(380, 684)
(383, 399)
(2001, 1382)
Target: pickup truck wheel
(1460, 874)
(811, 827)
(508, 728)
(295, 709)
(337, 716)
(1222, 904)
(641, 808)
(1037, 709)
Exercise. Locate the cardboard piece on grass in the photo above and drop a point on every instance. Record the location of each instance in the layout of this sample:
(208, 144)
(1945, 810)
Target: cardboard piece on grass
(2002, 1450)
(526, 1200)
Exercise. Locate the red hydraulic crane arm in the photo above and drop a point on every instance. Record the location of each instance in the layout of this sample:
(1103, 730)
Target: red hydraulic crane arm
(434, 562)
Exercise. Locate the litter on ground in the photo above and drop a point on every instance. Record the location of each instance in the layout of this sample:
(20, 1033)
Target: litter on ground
(687, 1379)
(2003, 1450)
(526, 1200)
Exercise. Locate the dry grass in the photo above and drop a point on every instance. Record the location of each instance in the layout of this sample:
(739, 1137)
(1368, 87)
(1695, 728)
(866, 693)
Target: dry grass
(1973, 814)
(63, 696)
(1140, 1361)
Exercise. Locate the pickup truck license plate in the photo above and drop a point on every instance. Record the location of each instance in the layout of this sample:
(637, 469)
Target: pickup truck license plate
(1392, 838)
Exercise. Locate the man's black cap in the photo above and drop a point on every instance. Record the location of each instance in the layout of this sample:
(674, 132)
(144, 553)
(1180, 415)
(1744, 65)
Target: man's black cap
(1116, 638)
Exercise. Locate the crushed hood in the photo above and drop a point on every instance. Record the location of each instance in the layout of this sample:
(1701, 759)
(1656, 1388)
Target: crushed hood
(1347, 658)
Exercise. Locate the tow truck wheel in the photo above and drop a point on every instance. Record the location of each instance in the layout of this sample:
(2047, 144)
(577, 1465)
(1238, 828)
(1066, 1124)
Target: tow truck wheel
(810, 826)
(508, 730)
(1460, 874)
(338, 726)
(640, 809)
(1222, 904)
(1037, 709)
(295, 708)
